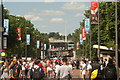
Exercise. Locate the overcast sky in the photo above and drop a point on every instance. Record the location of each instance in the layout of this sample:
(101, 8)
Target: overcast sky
(50, 16)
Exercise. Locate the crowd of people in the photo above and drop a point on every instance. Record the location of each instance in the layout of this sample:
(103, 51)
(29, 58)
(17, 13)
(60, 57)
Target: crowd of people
(36, 69)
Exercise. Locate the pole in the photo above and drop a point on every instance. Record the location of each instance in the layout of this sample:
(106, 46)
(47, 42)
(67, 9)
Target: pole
(36, 53)
(1, 29)
(26, 51)
(90, 43)
(116, 30)
(26, 46)
(98, 31)
(84, 48)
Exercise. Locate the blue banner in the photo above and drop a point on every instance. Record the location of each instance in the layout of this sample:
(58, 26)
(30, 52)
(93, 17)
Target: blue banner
(6, 26)
(38, 44)
(50, 47)
(28, 39)
(81, 40)
(87, 26)
(44, 46)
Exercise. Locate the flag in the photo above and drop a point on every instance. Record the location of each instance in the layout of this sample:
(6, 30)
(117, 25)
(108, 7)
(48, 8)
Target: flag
(83, 33)
(49, 46)
(19, 33)
(44, 46)
(81, 40)
(87, 26)
(77, 45)
(94, 12)
(28, 39)
(6, 26)
(38, 44)
(53, 48)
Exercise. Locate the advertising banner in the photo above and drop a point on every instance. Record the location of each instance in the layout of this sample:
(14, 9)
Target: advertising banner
(6, 26)
(19, 33)
(81, 40)
(49, 46)
(28, 39)
(38, 44)
(94, 12)
(83, 33)
(87, 26)
(77, 45)
(44, 46)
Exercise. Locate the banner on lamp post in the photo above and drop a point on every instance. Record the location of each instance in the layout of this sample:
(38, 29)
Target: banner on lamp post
(6, 26)
(77, 45)
(87, 26)
(38, 44)
(53, 48)
(28, 39)
(81, 40)
(50, 46)
(83, 34)
(94, 12)
(44, 46)
(19, 33)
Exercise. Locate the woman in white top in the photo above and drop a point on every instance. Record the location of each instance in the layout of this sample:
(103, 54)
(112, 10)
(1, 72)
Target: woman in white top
(5, 69)
(83, 66)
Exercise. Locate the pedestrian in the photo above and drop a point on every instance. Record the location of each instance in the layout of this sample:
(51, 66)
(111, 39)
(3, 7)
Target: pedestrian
(5, 71)
(96, 68)
(64, 72)
(110, 71)
(77, 64)
(89, 69)
(83, 69)
(37, 72)
(16, 69)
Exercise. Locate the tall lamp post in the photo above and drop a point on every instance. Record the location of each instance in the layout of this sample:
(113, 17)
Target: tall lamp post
(26, 43)
(1, 30)
(116, 34)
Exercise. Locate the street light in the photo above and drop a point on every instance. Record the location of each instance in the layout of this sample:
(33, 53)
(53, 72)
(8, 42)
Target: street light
(26, 43)
(116, 34)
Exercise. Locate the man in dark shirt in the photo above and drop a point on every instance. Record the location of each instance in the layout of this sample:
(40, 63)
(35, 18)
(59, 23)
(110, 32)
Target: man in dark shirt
(17, 70)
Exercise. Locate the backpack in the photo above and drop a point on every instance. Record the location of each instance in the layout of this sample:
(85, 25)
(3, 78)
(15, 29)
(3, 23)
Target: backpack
(94, 74)
(37, 73)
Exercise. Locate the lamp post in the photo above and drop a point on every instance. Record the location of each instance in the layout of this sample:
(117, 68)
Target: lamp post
(116, 34)
(26, 44)
(1, 30)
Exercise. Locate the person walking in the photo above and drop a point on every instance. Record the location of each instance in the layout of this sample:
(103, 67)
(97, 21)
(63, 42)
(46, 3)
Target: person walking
(110, 71)
(5, 71)
(83, 69)
(64, 72)
(37, 72)
(97, 69)
(16, 70)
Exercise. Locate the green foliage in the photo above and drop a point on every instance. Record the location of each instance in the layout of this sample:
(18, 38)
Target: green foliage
(16, 47)
(107, 29)
(56, 35)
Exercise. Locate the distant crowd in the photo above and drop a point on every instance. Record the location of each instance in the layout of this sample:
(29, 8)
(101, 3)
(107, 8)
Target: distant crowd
(36, 69)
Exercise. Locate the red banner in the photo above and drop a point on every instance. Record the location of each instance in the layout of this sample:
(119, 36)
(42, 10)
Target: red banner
(94, 6)
(83, 33)
(94, 12)
(19, 33)
(53, 47)
(77, 45)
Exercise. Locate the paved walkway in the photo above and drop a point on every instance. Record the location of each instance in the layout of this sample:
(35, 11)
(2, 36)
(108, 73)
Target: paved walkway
(76, 73)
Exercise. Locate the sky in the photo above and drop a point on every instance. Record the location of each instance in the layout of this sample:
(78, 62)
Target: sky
(50, 16)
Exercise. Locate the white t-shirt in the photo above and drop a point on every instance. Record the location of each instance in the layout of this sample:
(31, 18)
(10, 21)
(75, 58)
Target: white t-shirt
(89, 67)
(64, 70)
(83, 68)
